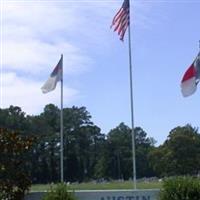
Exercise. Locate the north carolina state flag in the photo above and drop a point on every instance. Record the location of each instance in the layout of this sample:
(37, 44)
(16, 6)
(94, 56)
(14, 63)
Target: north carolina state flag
(191, 78)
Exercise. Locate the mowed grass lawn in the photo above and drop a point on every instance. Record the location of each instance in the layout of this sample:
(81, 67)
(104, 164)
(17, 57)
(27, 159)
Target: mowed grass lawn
(103, 186)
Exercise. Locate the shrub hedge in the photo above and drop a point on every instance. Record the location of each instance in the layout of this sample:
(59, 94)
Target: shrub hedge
(60, 192)
(181, 188)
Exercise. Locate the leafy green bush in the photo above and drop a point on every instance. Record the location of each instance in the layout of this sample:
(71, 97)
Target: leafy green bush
(14, 179)
(60, 192)
(181, 188)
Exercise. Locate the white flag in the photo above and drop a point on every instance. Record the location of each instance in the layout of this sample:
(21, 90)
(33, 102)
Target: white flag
(55, 76)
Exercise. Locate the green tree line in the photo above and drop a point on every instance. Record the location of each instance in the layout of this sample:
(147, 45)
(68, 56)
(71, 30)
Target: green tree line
(90, 154)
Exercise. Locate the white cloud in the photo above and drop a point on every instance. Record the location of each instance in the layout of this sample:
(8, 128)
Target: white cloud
(33, 38)
(27, 94)
(39, 17)
(35, 57)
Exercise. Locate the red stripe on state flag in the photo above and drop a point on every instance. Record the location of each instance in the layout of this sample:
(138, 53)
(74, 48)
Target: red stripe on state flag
(188, 83)
(190, 73)
(191, 78)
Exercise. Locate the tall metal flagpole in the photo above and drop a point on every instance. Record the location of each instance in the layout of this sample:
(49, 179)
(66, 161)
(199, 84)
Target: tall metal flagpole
(61, 126)
(131, 98)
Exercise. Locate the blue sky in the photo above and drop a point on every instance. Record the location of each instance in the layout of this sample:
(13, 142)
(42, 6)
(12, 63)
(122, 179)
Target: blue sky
(165, 37)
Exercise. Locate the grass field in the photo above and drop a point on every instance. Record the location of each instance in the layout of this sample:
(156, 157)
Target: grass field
(104, 186)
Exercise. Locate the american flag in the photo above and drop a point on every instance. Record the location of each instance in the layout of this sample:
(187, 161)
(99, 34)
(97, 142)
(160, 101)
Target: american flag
(121, 20)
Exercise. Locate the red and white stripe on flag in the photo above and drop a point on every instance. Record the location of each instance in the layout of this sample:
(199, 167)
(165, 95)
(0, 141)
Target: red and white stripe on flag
(191, 78)
(120, 21)
(188, 83)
